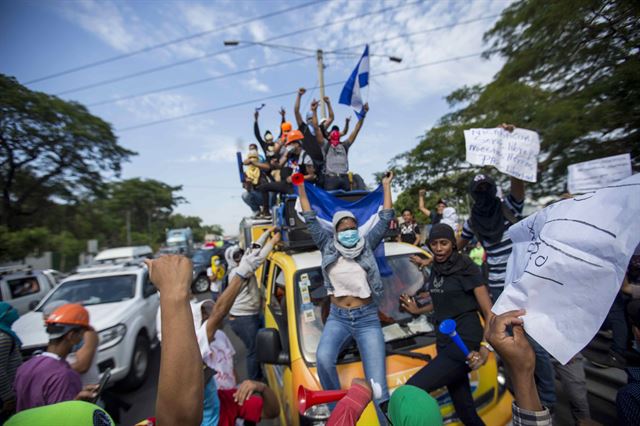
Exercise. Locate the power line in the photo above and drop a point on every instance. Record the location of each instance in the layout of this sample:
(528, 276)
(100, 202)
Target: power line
(227, 50)
(200, 81)
(172, 42)
(340, 51)
(280, 95)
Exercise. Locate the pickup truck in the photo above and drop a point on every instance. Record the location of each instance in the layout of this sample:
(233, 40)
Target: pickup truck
(23, 287)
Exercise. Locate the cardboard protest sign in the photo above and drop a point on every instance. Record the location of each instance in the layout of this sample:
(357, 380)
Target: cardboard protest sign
(568, 263)
(514, 153)
(595, 174)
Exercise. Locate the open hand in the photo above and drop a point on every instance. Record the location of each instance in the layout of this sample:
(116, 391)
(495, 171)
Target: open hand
(408, 303)
(246, 389)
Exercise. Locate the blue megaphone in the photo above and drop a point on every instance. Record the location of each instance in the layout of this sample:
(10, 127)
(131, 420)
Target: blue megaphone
(448, 327)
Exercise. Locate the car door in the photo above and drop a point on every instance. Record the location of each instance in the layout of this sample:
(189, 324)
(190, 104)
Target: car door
(22, 290)
(151, 301)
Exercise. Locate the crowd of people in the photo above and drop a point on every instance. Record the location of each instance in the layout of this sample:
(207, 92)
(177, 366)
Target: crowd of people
(317, 148)
(63, 380)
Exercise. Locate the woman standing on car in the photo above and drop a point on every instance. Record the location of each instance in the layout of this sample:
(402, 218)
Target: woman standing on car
(457, 292)
(352, 280)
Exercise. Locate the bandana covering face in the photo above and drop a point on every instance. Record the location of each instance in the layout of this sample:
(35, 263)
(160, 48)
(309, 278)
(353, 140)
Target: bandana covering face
(334, 138)
(486, 218)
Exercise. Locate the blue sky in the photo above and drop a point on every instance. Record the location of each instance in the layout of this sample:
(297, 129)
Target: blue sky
(40, 38)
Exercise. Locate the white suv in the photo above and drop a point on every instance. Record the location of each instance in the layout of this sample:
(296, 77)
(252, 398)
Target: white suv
(122, 305)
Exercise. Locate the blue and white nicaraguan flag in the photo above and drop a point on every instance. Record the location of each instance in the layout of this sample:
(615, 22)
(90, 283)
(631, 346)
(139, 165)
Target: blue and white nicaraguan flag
(358, 79)
(365, 210)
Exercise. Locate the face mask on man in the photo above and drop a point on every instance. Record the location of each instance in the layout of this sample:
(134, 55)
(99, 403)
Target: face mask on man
(349, 238)
(334, 138)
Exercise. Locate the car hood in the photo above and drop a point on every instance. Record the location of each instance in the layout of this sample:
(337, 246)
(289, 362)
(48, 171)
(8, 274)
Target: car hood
(30, 326)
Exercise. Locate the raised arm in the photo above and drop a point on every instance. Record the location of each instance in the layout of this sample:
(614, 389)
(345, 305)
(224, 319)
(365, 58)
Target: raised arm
(296, 107)
(376, 234)
(314, 120)
(354, 134)
(84, 355)
(421, 206)
(327, 124)
(320, 235)
(386, 186)
(345, 129)
(248, 265)
(304, 200)
(180, 390)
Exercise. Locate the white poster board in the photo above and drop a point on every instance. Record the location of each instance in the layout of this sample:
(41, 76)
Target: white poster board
(568, 263)
(595, 174)
(514, 153)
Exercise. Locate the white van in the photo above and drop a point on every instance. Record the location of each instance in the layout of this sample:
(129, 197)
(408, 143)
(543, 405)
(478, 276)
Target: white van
(123, 254)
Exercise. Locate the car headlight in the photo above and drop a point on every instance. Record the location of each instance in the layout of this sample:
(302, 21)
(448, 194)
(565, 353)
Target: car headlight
(111, 336)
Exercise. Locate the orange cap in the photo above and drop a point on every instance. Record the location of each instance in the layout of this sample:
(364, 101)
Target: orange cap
(294, 135)
(286, 127)
(70, 314)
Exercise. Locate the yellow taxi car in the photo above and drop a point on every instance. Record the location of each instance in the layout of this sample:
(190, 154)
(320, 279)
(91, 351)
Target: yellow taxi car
(295, 305)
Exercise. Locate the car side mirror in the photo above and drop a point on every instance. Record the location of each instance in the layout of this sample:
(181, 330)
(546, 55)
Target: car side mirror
(270, 349)
(33, 304)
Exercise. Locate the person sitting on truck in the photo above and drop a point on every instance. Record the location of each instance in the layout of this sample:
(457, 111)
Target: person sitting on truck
(256, 173)
(48, 378)
(352, 279)
(293, 160)
(267, 142)
(336, 152)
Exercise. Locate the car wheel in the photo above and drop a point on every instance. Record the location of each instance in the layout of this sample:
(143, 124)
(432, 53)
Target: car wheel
(139, 365)
(201, 284)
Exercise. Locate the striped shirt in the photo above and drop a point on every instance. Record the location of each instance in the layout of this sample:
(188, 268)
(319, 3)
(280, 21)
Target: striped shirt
(10, 360)
(497, 253)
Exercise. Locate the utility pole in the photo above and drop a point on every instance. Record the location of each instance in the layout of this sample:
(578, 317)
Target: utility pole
(323, 113)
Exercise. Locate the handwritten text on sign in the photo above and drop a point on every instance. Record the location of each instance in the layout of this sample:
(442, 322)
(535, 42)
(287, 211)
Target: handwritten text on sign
(595, 174)
(567, 264)
(514, 153)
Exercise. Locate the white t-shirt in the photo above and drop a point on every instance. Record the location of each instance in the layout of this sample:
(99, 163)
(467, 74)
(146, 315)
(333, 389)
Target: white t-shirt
(218, 355)
(348, 279)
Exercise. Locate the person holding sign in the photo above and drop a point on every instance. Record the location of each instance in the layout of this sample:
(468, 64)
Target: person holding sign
(457, 292)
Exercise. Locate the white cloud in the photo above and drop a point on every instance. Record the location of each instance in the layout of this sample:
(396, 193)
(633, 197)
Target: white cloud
(158, 106)
(254, 84)
(107, 20)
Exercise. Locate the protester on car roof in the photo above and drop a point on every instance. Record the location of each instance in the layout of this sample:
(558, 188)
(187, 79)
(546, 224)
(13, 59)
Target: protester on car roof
(256, 174)
(293, 160)
(457, 292)
(267, 143)
(48, 378)
(10, 359)
(409, 229)
(352, 279)
(336, 152)
(310, 142)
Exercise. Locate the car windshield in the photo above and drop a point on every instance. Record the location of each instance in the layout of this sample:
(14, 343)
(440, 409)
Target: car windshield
(202, 256)
(95, 291)
(311, 297)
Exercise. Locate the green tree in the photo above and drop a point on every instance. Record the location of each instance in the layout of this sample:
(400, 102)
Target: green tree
(571, 73)
(49, 148)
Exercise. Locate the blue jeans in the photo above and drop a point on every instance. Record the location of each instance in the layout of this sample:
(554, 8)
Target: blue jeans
(253, 199)
(246, 327)
(363, 325)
